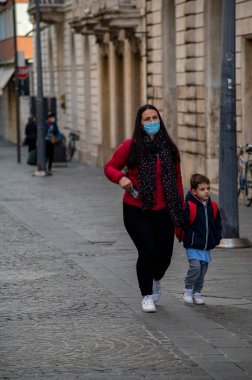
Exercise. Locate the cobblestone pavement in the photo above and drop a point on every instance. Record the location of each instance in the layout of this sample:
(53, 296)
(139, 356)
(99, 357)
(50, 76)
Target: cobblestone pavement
(70, 305)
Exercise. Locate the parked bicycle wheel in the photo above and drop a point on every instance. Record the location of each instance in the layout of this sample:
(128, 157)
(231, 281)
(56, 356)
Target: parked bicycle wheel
(248, 185)
(70, 150)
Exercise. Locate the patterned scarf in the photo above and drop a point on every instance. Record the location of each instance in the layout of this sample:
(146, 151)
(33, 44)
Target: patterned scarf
(147, 176)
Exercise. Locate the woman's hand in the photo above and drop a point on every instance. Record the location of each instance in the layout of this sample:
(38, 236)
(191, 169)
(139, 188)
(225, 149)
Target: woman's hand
(125, 183)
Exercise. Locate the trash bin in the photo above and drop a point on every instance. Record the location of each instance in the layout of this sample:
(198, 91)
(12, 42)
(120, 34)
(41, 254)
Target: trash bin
(32, 157)
(60, 155)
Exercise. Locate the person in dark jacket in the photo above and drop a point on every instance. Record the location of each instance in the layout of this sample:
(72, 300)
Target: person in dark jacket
(31, 133)
(51, 132)
(153, 197)
(200, 237)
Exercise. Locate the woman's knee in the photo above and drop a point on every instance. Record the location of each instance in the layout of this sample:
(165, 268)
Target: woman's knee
(146, 253)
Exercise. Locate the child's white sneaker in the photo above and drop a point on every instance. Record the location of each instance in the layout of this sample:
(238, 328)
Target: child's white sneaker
(156, 291)
(197, 298)
(187, 296)
(148, 305)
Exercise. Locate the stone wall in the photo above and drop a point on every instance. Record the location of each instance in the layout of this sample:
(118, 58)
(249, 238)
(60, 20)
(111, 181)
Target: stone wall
(244, 72)
(179, 46)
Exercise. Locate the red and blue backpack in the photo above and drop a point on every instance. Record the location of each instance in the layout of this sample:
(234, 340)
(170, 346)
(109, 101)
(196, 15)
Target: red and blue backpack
(179, 231)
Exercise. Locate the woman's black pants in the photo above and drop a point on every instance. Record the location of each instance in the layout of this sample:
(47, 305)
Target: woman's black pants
(153, 235)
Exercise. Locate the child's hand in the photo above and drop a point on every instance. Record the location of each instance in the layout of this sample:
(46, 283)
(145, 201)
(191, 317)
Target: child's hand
(179, 232)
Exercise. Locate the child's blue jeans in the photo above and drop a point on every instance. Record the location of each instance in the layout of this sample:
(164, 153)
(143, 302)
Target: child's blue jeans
(195, 275)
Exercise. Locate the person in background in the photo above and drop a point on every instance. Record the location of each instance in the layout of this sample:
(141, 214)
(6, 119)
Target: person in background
(200, 237)
(51, 132)
(31, 133)
(153, 198)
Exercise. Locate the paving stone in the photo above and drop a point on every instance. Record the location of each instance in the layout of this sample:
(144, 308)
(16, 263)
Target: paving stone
(223, 371)
(56, 319)
(70, 303)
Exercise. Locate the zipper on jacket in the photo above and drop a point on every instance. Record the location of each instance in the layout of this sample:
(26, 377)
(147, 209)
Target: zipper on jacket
(206, 216)
(192, 238)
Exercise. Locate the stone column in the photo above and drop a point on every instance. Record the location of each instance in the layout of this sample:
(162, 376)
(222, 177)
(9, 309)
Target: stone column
(212, 85)
(128, 117)
(113, 96)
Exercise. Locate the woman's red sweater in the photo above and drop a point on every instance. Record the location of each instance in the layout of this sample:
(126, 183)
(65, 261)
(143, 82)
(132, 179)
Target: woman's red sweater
(119, 160)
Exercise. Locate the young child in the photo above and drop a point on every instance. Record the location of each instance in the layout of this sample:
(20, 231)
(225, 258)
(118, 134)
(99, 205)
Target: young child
(200, 235)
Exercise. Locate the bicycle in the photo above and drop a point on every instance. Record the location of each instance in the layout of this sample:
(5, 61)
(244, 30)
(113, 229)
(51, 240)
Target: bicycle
(71, 147)
(245, 175)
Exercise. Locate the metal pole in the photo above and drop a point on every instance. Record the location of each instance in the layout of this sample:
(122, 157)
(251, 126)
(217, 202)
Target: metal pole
(41, 164)
(16, 84)
(228, 200)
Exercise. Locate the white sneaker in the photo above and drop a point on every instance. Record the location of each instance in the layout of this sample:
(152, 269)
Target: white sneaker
(197, 298)
(156, 291)
(187, 296)
(148, 305)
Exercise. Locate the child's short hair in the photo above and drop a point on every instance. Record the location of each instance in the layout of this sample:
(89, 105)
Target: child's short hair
(197, 179)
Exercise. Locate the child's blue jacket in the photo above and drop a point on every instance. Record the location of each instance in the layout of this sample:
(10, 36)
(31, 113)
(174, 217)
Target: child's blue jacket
(205, 232)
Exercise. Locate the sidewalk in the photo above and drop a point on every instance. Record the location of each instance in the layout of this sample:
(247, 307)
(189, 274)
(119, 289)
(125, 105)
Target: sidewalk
(70, 304)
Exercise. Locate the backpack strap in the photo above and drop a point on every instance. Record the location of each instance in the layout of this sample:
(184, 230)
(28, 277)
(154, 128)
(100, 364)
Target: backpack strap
(215, 209)
(192, 211)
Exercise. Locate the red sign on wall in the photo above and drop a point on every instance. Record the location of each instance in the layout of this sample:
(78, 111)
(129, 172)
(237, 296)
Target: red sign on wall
(22, 72)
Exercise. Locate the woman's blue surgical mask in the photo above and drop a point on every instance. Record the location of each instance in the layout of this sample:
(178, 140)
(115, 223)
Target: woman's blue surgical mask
(152, 128)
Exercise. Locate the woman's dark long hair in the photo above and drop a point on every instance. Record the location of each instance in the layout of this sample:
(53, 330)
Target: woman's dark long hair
(137, 145)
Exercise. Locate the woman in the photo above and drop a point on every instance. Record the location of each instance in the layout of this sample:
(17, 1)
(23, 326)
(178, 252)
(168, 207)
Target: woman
(153, 199)
(31, 133)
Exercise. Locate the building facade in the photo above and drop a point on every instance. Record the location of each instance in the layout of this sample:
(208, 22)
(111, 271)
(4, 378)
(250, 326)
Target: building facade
(103, 59)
